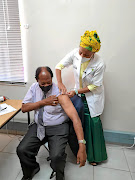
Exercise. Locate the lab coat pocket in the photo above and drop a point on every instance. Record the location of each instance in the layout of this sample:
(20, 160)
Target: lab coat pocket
(90, 71)
(99, 102)
(87, 80)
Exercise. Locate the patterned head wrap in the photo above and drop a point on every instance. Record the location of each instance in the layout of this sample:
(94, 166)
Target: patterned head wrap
(90, 41)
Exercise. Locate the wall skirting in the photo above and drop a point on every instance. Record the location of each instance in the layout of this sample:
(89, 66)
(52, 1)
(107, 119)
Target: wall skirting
(119, 137)
(110, 136)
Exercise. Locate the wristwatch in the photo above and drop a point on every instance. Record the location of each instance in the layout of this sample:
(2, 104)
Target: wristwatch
(82, 141)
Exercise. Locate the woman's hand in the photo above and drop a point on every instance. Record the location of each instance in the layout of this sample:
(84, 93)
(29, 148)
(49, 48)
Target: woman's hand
(71, 94)
(62, 88)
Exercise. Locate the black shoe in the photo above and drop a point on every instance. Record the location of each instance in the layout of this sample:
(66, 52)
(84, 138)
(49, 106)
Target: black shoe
(23, 178)
(35, 171)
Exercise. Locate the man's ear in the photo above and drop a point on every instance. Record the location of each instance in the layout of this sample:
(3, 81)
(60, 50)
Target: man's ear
(36, 79)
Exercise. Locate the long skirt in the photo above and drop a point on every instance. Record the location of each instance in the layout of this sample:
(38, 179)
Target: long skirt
(93, 132)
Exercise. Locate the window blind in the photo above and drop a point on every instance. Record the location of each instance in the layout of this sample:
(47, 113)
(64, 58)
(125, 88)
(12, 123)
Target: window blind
(11, 62)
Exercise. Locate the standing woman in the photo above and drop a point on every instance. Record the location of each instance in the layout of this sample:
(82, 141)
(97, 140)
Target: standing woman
(88, 70)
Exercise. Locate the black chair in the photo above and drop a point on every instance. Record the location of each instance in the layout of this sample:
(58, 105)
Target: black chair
(48, 159)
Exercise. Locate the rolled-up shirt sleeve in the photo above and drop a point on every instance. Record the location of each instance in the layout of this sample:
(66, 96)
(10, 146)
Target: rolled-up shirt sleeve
(91, 87)
(28, 97)
(59, 66)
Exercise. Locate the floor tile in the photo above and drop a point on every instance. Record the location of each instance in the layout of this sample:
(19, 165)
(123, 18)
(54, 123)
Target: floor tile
(111, 174)
(11, 147)
(43, 174)
(116, 159)
(19, 176)
(133, 176)
(130, 156)
(4, 141)
(9, 166)
(114, 146)
(73, 172)
(118, 166)
(45, 170)
(43, 153)
(70, 156)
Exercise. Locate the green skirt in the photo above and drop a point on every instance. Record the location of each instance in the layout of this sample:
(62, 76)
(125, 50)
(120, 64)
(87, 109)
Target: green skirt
(93, 132)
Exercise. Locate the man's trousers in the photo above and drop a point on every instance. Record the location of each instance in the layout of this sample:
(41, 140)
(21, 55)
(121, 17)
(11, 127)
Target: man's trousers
(57, 138)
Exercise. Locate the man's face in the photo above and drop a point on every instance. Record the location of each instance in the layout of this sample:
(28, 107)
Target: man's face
(85, 52)
(44, 78)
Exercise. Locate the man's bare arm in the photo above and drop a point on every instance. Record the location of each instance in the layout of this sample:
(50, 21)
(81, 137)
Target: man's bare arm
(73, 115)
(70, 110)
(30, 107)
(33, 106)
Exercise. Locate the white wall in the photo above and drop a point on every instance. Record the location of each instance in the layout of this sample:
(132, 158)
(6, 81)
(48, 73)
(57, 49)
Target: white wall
(55, 29)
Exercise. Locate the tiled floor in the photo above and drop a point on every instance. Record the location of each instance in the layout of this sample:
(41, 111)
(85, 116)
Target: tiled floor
(120, 164)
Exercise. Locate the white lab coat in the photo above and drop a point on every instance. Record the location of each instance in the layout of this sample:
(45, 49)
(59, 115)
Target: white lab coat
(93, 74)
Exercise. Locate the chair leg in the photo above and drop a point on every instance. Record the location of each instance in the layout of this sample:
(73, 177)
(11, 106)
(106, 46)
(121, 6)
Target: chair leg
(53, 174)
(46, 148)
(48, 159)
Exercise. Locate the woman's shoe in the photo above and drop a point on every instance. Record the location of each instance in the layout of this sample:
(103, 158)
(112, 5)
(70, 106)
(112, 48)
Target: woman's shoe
(93, 163)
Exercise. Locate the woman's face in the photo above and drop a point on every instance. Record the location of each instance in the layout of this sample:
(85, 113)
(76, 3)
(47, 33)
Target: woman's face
(85, 52)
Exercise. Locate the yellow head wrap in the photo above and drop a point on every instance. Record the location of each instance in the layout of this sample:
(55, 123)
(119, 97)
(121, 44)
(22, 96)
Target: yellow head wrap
(90, 41)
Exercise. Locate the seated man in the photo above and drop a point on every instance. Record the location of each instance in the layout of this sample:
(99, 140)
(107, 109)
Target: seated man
(51, 125)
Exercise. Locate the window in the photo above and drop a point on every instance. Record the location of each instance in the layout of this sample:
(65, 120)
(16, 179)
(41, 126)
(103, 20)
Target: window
(11, 62)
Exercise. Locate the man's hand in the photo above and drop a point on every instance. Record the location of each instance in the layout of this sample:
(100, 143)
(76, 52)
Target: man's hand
(62, 88)
(71, 94)
(81, 156)
(70, 110)
(51, 100)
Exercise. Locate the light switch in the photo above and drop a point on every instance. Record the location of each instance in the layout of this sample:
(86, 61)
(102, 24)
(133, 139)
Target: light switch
(26, 26)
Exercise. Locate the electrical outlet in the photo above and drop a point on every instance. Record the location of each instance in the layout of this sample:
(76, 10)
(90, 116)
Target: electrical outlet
(26, 26)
